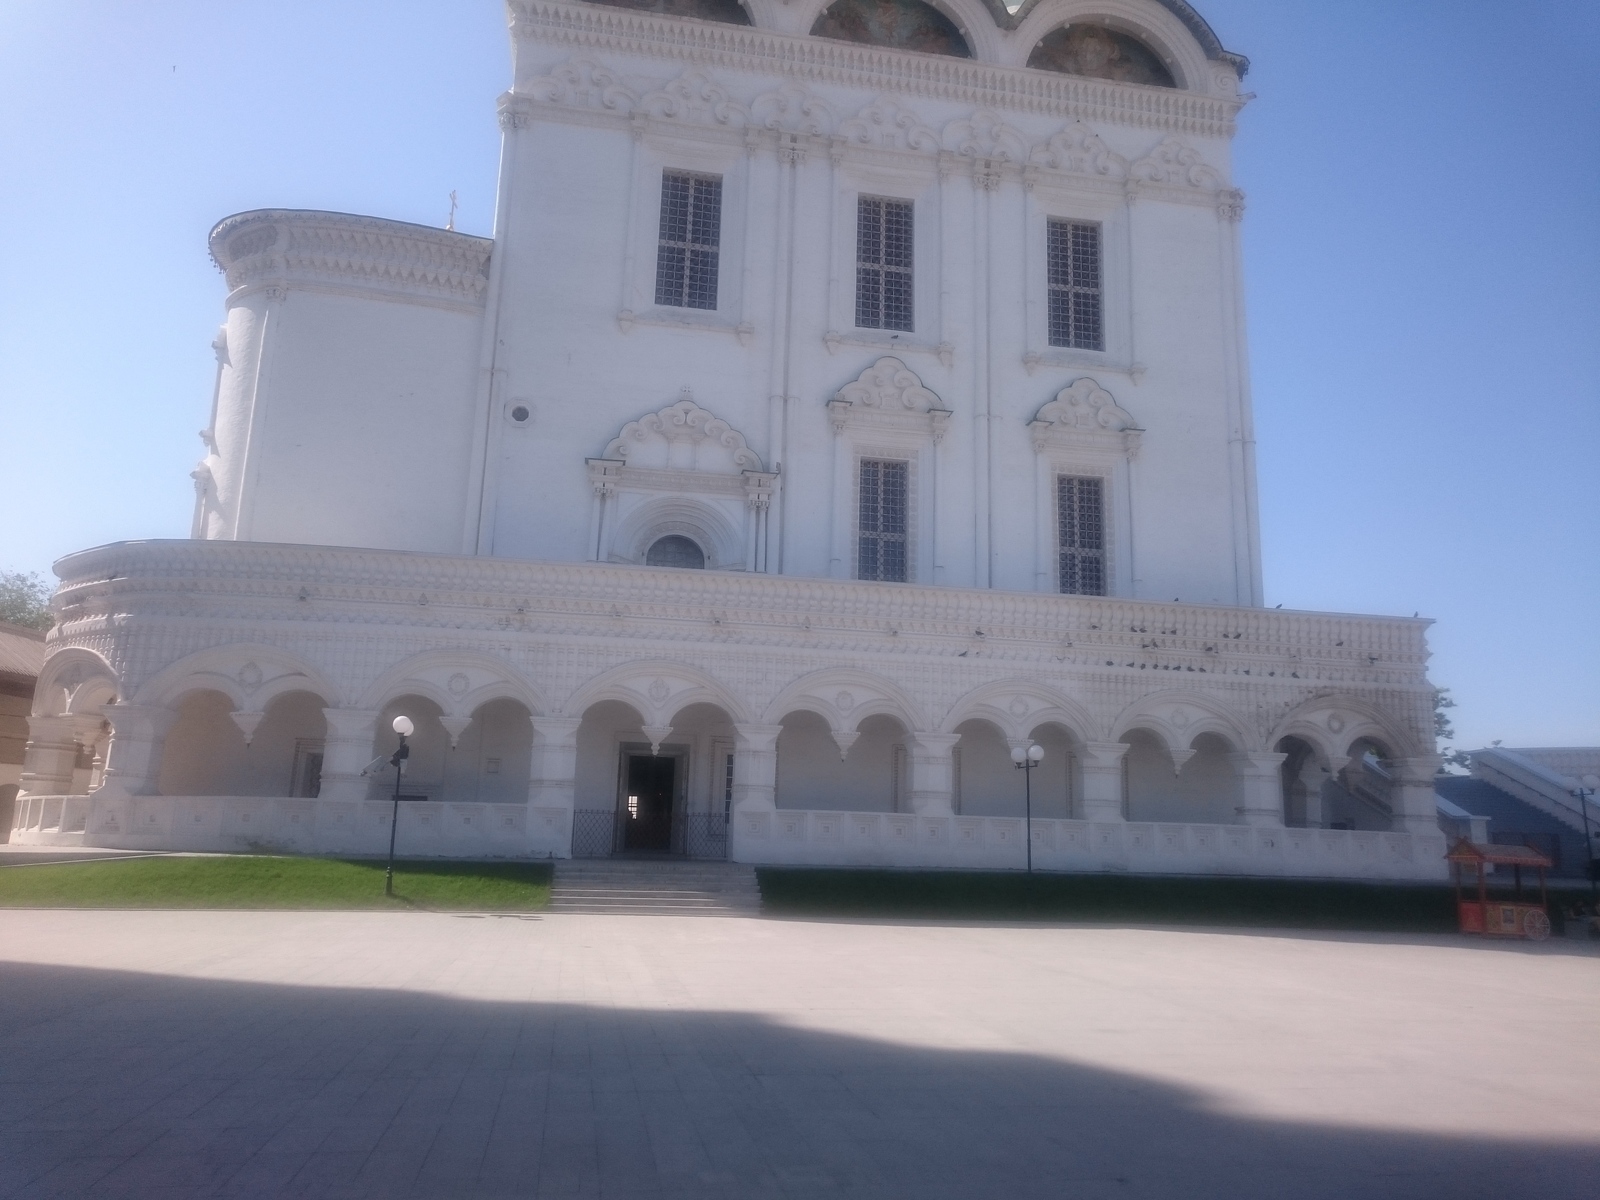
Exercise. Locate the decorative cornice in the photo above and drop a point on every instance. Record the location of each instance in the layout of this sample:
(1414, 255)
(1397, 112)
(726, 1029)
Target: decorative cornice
(792, 120)
(107, 590)
(275, 249)
(874, 68)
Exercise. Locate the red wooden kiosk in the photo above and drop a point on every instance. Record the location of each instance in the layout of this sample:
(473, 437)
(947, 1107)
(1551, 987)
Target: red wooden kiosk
(1500, 918)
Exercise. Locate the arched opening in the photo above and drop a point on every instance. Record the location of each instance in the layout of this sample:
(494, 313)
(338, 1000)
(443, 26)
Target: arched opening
(729, 12)
(675, 550)
(707, 731)
(1096, 52)
(983, 780)
(1205, 792)
(204, 752)
(430, 746)
(1360, 797)
(1058, 779)
(873, 776)
(492, 760)
(285, 752)
(1303, 779)
(902, 24)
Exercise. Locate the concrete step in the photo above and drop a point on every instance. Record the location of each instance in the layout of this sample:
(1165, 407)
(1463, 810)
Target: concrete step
(644, 886)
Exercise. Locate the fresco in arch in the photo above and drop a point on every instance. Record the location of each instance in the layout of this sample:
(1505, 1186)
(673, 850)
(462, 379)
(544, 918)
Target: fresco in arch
(1099, 53)
(903, 24)
(729, 12)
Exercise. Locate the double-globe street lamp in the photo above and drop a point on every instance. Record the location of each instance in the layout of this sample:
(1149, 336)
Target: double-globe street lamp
(1026, 758)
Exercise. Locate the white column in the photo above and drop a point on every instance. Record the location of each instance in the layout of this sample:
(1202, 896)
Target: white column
(350, 745)
(1416, 807)
(133, 760)
(1260, 787)
(48, 758)
(553, 779)
(755, 767)
(932, 783)
(1102, 780)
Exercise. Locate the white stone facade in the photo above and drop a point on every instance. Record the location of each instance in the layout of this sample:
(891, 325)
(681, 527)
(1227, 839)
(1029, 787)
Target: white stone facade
(509, 428)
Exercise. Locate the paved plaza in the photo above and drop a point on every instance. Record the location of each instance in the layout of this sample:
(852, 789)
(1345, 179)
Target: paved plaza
(190, 1054)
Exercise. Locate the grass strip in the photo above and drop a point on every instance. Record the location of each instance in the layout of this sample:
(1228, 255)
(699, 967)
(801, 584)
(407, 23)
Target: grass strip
(1010, 895)
(263, 881)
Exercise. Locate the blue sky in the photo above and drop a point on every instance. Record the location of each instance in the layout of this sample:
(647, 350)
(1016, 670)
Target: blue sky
(1422, 256)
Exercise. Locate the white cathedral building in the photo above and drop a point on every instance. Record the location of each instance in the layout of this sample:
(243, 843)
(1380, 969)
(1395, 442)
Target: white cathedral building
(850, 395)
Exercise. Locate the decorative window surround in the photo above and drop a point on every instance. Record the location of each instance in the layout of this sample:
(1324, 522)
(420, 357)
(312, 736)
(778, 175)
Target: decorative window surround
(681, 470)
(1084, 432)
(886, 412)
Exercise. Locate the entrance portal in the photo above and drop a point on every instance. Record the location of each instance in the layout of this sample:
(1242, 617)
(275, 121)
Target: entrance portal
(651, 786)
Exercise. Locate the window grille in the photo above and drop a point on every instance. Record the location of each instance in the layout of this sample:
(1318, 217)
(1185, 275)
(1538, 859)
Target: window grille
(1075, 297)
(881, 549)
(883, 264)
(691, 231)
(1081, 533)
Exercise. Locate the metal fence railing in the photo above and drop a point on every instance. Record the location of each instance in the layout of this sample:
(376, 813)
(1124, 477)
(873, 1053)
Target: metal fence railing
(594, 832)
(600, 833)
(706, 835)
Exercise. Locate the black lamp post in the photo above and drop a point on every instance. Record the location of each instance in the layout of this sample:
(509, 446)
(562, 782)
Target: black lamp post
(1026, 759)
(1584, 791)
(404, 727)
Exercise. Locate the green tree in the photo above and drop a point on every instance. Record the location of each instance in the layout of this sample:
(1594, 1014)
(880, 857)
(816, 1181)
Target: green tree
(25, 600)
(1443, 731)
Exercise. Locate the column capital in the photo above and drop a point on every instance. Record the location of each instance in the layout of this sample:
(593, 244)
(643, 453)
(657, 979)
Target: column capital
(935, 744)
(1104, 755)
(555, 730)
(1257, 762)
(758, 737)
(348, 722)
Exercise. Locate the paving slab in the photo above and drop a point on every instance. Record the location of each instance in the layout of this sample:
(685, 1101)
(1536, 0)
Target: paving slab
(357, 1055)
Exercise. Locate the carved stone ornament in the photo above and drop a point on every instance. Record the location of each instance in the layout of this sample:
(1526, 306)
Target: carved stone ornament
(891, 392)
(1079, 150)
(887, 125)
(1175, 164)
(792, 109)
(1086, 416)
(684, 422)
(985, 135)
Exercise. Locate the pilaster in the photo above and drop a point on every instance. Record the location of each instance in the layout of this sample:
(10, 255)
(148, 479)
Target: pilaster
(755, 767)
(932, 782)
(553, 781)
(352, 736)
(1416, 806)
(1260, 787)
(49, 756)
(133, 760)
(1102, 780)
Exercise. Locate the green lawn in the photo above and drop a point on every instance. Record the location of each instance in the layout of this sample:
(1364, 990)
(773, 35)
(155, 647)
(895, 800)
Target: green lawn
(980, 895)
(261, 881)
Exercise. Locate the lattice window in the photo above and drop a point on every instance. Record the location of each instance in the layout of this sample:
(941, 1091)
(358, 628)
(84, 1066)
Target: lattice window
(883, 264)
(1081, 534)
(691, 232)
(881, 527)
(1075, 291)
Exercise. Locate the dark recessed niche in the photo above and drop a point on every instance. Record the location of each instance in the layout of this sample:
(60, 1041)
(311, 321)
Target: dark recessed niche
(903, 24)
(1100, 53)
(729, 12)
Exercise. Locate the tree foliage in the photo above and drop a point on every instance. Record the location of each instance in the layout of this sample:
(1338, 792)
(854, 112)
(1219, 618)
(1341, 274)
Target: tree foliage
(25, 599)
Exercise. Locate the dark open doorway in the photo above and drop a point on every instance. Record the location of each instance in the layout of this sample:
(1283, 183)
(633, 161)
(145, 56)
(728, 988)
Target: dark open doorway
(647, 817)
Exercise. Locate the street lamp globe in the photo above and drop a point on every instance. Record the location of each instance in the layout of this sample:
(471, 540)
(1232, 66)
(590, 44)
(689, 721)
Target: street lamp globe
(1036, 753)
(403, 726)
(1018, 754)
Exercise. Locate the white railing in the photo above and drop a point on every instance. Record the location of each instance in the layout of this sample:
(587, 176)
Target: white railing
(431, 829)
(813, 838)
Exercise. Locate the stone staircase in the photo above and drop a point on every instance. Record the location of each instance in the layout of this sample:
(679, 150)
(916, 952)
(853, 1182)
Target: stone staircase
(654, 886)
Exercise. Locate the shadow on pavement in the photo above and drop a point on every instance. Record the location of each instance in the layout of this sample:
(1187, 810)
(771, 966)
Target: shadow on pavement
(126, 1084)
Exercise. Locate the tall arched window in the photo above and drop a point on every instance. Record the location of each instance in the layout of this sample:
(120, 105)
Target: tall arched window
(675, 550)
